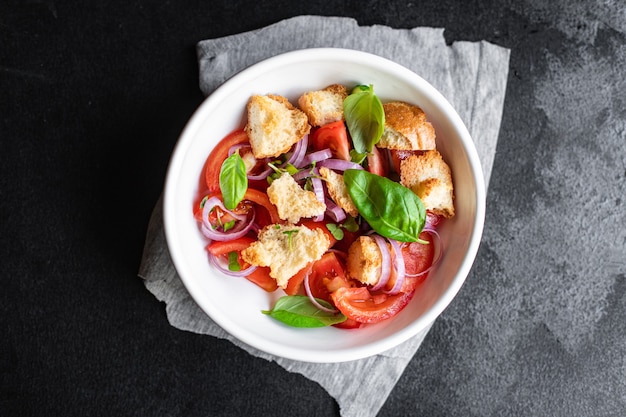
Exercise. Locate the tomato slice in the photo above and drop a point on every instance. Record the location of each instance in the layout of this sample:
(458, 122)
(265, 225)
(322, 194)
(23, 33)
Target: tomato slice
(213, 163)
(348, 324)
(294, 285)
(260, 198)
(327, 274)
(261, 277)
(358, 304)
(418, 257)
(218, 248)
(334, 136)
(376, 163)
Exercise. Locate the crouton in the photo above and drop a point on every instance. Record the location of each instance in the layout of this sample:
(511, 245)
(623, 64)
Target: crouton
(274, 125)
(324, 106)
(338, 191)
(364, 260)
(406, 128)
(292, 201)
(286, 249)
(429, 177)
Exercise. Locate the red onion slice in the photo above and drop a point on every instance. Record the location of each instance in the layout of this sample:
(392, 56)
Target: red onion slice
(299, 151)
(339, 164)
(243, 273)
(432, 220)
(334, 211)
(260, 176)
(316, 157)
(399, 269)
(241, 228)
(238, 146)
(318, 189)
(385, 268)
(307, 289)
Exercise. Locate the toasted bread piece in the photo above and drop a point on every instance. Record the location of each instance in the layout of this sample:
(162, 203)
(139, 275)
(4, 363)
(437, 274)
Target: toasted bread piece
(429, 177)
(406, 128)
(324, 106)
(338, 191)
(286, 249)
(292, 201)
(364, 260)
(274, 125)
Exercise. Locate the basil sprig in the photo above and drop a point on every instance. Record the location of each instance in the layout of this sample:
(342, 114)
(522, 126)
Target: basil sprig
(392, 210)
(336, 230)
(365, 119)
(233, 180)
(299, 311)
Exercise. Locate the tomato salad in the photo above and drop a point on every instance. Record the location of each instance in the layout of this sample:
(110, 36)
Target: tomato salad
(234, 207)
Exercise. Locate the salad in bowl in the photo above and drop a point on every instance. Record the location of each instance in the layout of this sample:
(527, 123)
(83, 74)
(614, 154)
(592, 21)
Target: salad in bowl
(324, 205)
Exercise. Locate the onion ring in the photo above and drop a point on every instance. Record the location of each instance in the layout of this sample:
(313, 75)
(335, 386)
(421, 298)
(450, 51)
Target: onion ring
(339, 164)
(243, 273)
(307, 289)
(316, 156)
(260, 176)
(240, 229)
(299, 152)
(385, 268)
(398, 266)
(334, 211)
(318, 189)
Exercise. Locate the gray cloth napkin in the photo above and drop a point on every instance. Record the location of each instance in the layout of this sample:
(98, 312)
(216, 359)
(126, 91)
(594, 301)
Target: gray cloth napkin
(471, 75)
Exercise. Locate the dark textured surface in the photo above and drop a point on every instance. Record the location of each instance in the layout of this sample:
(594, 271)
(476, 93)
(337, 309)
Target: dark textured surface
(92, 99)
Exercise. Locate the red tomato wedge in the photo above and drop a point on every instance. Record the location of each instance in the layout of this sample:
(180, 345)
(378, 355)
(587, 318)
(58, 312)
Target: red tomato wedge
(217, 248)
(376, 163)
(348, 324)
(294, 285)
(327, 272)
(333, 136)
(261, 277)
(260, 198)
(213, 163)
(358, 304)
(418, 257)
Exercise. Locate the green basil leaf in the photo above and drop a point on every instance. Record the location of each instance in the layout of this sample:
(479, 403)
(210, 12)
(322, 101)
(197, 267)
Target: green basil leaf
(391, 209)
(299, 311)
(350, 224)
(233, 261)
(233, 180)
(228, 225)
(365, 118)
(357, 157)
(335, 231)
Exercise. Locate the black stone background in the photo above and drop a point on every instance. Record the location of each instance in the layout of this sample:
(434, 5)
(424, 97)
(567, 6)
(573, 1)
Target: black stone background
(93, 96)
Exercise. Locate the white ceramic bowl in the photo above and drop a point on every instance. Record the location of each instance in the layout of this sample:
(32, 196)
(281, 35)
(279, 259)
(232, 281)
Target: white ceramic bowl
(236, 304)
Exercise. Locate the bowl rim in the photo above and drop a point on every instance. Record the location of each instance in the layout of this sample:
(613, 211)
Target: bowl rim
(309, 55)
